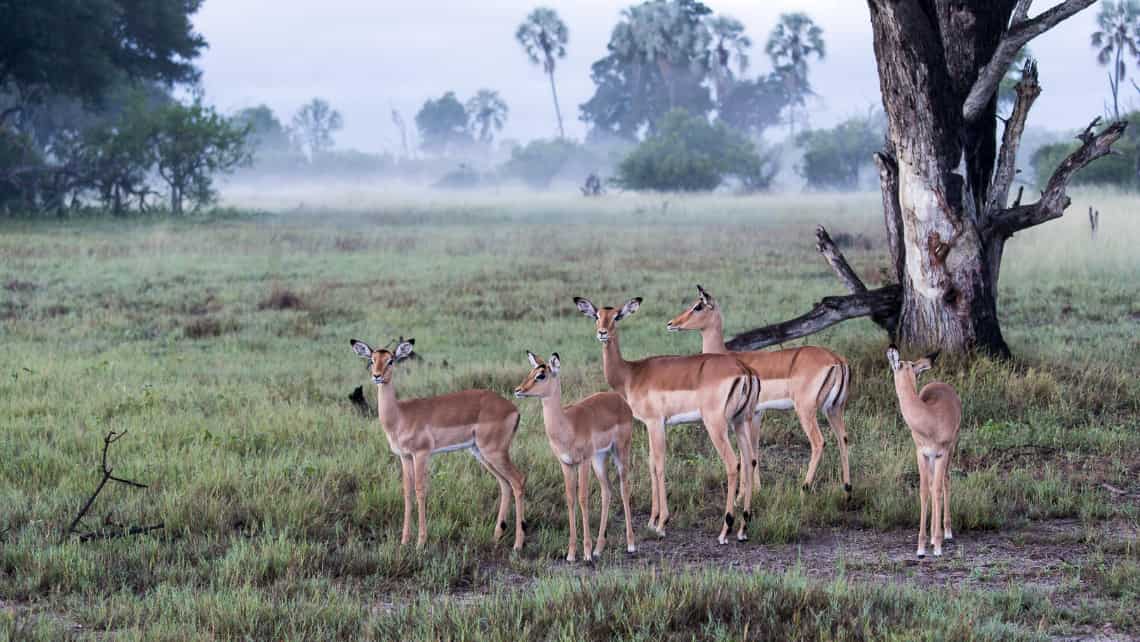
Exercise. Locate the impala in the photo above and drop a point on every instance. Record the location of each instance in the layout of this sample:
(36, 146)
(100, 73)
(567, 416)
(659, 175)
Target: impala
(715, 389)
(581, 435)
(806, 379)
(478, 421)
(933, 415)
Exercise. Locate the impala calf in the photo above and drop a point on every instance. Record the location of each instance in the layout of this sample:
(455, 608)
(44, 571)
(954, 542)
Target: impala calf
(934, 416)
(808, 380)
(479, 421)
(581, 435)
(713, 388)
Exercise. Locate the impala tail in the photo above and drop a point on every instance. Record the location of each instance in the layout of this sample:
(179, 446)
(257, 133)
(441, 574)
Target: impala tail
(743, 396)
(833, 392)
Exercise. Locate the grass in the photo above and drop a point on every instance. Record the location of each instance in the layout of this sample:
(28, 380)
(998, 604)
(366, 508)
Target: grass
(221, 347)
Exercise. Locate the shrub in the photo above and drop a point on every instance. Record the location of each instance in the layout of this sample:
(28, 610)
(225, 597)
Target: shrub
(690, 154)
(539, 162)
(833, 158)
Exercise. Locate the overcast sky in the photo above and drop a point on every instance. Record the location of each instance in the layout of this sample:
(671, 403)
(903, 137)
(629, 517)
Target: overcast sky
(368, 56)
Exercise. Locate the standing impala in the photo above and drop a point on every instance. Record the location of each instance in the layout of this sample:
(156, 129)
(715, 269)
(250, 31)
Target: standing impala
(580, 435)
(933, 415)
(716, 389)
(807, 379)
(476, 420)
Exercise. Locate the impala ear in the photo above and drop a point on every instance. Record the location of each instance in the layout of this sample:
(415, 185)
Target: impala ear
(404, 349)
(922, 365)
(362, 349)
(555, 364)
(893, 357)
(534, 362)
(706, 298)
(629, 308)
(586, 307)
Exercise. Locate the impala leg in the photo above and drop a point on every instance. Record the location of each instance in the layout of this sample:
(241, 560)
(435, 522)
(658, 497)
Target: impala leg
(835, 420)
(743, 432)
(584, 505)
(745, 478)
(718, 429)
(504, 498)
(755, 428)
(621, 459)
(923, 495)
(420, 462)
(501, 461)
(570, 479)
(947, 534)
(810, 425)
(600, 472)
(936, 478)
(657, 449)
(407, 473)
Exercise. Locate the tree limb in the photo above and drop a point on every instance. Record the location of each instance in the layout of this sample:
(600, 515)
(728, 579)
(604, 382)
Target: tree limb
(1054, 200)
(892, 211)
(884, 301)
(837, 261)
(1027, 91)
(1021, 31)
(111, 438)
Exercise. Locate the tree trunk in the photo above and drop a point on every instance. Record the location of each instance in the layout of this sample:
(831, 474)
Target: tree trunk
(557, 110)
(929, 54)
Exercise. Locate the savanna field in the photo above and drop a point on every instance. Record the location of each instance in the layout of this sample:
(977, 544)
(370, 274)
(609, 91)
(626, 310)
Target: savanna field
(219, 345)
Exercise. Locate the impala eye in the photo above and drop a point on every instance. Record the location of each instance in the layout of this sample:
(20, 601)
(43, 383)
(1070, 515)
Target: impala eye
(698, 307)
(540, 377)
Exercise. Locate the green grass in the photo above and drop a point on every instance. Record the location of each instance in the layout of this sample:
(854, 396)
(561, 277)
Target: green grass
(282, 506)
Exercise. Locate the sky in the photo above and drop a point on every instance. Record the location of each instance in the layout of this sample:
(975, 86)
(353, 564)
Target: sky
(367, 57)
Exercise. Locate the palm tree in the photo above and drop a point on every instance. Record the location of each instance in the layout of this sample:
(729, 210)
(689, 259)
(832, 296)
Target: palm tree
(793, 40)
(487, 111)
(730, 44)
(1117, 23)
(543, 37)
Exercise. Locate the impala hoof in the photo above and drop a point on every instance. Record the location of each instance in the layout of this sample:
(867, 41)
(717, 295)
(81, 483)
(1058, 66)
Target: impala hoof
(948, 536)
(741, 537)
(920, 553)
(631, 549)
(571, 558)
(938, 551)
(723, 539)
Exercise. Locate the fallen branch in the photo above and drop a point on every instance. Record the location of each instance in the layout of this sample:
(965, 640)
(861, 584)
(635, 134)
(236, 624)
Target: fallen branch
(883, 302)
(108, 475)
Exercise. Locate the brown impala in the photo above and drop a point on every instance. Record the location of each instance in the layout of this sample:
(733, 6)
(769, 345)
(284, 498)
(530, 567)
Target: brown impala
(807, 379)
(479, 421)
(715, 389)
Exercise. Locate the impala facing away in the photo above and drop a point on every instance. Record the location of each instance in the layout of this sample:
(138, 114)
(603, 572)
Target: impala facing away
(713, 388)
(807, 379)
(580, 435)
(934, 415)
(476, 420)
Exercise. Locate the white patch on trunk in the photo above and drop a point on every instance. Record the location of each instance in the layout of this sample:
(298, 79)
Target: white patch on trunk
(684, 418)
(462, 446)
(775, 404)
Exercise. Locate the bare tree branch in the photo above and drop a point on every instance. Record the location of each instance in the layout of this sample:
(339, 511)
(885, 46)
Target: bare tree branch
(111, 438)
(837, 261)
(1054, 200)
(1020, 12)
(892, 212)
(1020, 32)
(884, 301)
(1027, 91)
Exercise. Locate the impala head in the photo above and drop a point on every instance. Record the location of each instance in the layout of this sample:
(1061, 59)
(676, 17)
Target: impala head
(606, 319)
(380, 362)
(908, 371)
(700, 315)
(541, 382)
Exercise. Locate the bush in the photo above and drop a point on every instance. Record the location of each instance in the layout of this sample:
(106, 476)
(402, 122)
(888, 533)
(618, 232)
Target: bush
(539, 162)
(1120, 169)
(833, 158)
(689, 154)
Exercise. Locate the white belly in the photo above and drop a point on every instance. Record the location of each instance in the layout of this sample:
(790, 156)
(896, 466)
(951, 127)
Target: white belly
(684, 418)
(775, 404)
(470, 443)
(566, 459)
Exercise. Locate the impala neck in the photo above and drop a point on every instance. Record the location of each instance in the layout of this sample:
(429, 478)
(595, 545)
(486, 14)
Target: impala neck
(909, 403)
(712, 337)
(615, 369)
(553, 417)
(387, 408)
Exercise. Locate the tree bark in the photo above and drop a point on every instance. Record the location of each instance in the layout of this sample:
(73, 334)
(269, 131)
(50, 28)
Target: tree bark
(557, 109)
